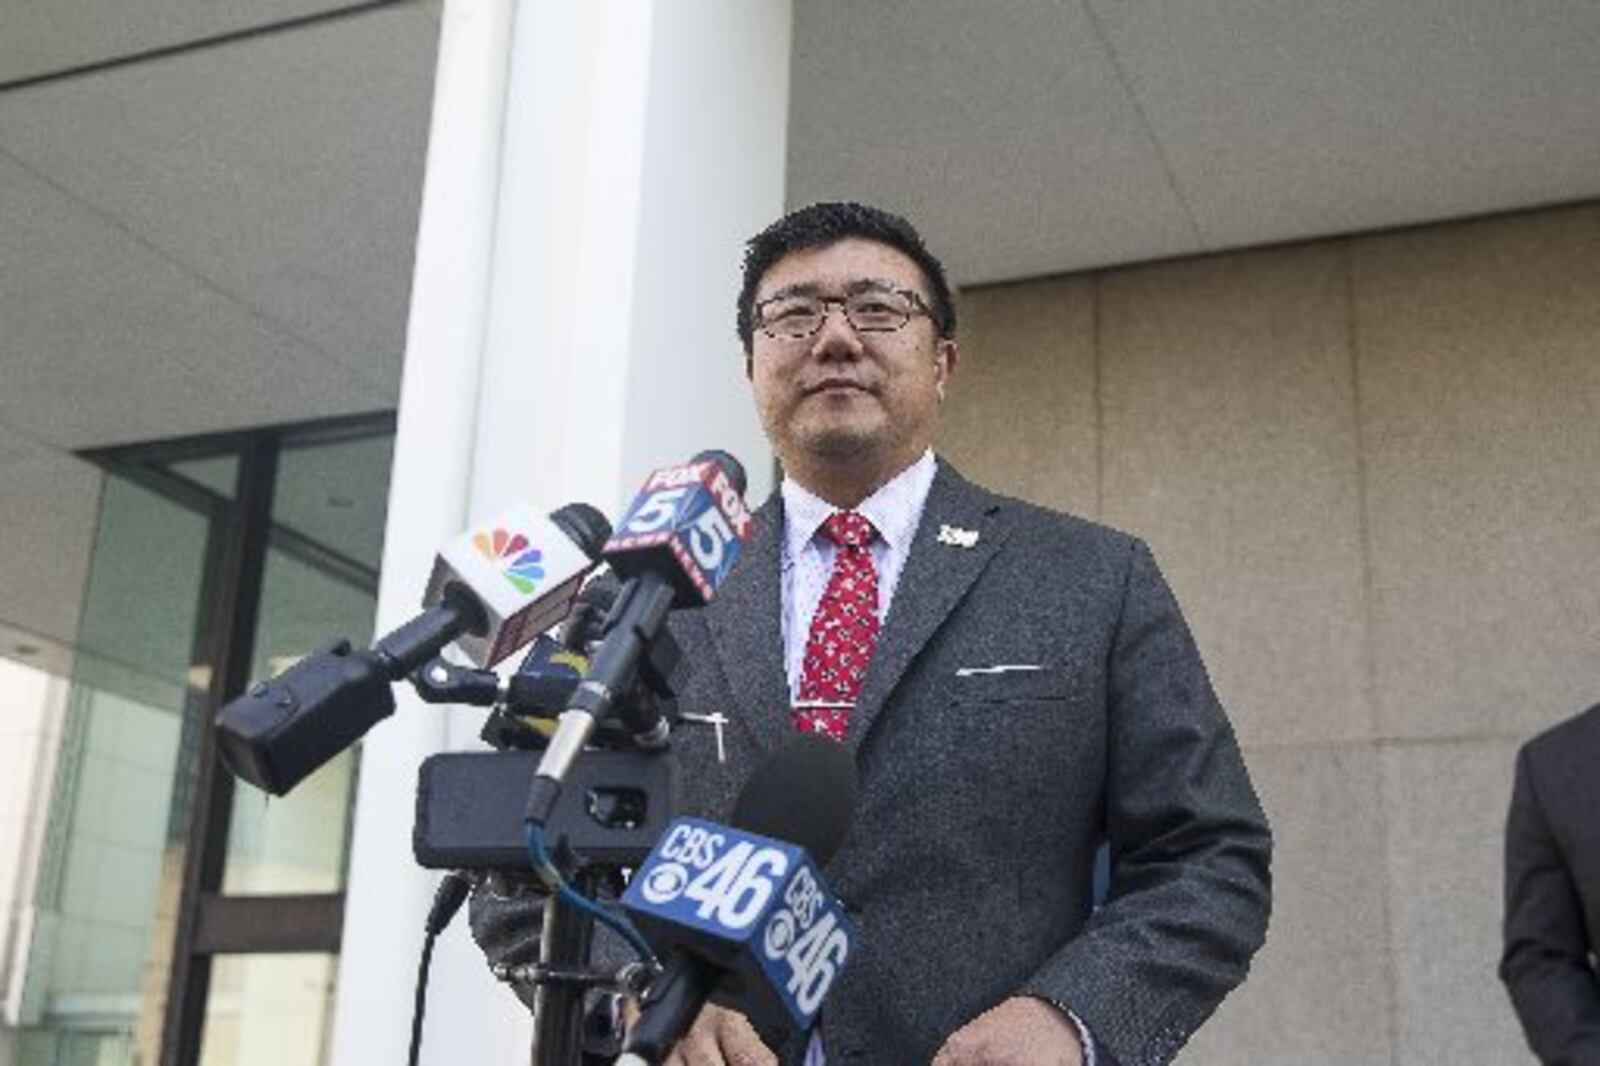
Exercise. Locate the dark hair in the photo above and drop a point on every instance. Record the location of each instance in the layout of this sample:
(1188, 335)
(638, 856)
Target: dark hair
(821, 225)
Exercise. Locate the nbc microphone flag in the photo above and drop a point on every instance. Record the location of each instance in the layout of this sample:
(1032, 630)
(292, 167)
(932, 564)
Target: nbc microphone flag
(524, 571)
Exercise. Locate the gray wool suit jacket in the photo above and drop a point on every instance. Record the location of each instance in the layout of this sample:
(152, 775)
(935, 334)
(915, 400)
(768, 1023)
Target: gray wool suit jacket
(985, 794)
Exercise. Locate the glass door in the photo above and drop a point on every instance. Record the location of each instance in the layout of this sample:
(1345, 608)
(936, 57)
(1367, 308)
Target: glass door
(177, 918)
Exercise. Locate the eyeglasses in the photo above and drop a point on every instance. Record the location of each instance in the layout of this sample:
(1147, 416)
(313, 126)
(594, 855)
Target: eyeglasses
(868, 311)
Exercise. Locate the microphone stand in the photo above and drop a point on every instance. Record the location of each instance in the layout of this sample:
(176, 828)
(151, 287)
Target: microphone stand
(563, 959)
(562, 976)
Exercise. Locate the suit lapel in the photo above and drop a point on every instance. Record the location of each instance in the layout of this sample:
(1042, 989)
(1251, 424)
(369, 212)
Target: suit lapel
(937, 575)
(746, 629)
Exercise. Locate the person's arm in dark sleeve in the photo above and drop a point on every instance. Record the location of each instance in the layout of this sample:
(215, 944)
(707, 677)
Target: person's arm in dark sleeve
(1545, 962)
(506, 916)
(1190, 884)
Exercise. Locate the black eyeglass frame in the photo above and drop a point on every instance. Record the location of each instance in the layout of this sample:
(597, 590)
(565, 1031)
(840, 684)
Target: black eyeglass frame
(919, 306)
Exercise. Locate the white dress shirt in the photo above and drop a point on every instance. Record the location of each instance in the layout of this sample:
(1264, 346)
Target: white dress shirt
(894, 510)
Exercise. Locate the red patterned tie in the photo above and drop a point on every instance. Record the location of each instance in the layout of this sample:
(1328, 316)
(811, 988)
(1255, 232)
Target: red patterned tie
(844, 631)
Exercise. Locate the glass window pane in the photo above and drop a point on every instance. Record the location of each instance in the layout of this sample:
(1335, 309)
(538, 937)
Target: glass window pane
(299, 843)
(143, 595)
(268, 1010)
(220, 473)
(110, 860)
(34, 705)
(337, 495)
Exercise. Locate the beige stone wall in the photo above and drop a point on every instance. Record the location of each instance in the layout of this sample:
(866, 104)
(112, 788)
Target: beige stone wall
(1371, 469)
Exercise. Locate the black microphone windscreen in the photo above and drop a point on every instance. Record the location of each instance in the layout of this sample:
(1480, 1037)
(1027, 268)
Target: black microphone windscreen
(730, 466)
(589, 610)
(805, 793)
(588, 528)
(601, 592)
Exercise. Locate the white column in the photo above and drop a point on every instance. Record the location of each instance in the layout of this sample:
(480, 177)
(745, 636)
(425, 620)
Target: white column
(429, 489)
(593, 172)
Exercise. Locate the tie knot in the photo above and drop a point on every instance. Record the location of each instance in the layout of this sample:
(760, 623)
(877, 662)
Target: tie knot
(849, 529)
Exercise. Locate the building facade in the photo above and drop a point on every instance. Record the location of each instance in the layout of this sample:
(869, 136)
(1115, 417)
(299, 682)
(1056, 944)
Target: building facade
(253, 373)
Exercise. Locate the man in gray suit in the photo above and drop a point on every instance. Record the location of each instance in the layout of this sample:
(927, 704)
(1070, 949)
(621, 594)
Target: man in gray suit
(1033, 693)
(1018, 687)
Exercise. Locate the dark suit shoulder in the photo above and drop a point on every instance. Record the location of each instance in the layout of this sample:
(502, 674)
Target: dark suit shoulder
(1038, 528)
(1574, 741)
(1559, 767)
(1020, 509)
(1068, 526)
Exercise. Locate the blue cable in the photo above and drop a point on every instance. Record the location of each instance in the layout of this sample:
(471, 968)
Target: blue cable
(533, 833)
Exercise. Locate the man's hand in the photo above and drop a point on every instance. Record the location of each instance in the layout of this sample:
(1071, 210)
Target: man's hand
(1023, 1031)
(721, 1037)
(507, 916)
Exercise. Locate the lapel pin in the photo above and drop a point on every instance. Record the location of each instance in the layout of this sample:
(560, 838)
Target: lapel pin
(957, 537)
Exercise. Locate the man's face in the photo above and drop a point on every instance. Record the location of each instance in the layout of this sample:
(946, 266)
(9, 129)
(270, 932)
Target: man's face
(840, 399)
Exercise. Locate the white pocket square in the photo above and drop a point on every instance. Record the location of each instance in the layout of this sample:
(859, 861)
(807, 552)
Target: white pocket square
(1002, 668)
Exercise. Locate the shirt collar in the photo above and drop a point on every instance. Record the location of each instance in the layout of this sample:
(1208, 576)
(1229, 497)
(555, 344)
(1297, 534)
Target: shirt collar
(894, 509)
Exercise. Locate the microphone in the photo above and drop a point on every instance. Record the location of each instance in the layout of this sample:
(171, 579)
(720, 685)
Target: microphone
(687, 526)
(674, 546)
(553, 668)
(586, 623)
(492, 590)
(523, 570)
(524, 705)
(742, 913)
(532, 697)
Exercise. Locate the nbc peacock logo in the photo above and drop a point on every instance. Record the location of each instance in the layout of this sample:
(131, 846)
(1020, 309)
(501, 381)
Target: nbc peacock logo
(510, 551)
